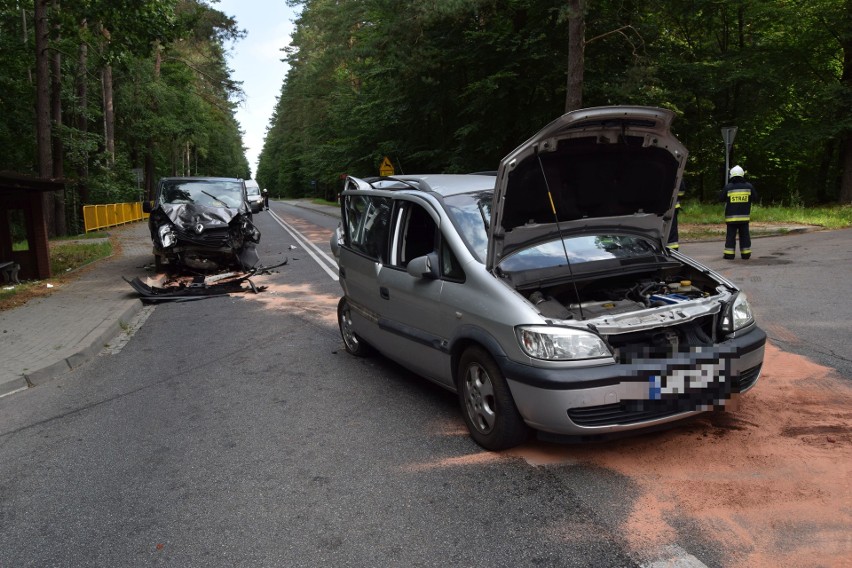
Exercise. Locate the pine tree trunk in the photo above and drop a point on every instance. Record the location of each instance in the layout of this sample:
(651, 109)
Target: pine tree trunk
(45, 162)
(43, 138)
(109, 114)
(149, 154)
(846, 178)
(576, 54)
(56, 113)
(846, 137)
(82, 118)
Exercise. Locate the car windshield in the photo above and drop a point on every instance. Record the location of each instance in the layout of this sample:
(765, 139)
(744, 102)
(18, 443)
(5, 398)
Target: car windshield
(578, 250)
(472, 213)
(253, 189)
(210, 193)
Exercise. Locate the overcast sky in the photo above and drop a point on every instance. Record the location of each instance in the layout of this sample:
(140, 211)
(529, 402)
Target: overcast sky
(256, 61)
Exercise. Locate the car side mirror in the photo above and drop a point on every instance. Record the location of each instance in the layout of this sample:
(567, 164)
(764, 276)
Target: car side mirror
(336, 241)
(424, 266)
(146, 207)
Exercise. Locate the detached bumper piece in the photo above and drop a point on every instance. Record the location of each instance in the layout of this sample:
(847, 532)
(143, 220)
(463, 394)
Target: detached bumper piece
(199, 287)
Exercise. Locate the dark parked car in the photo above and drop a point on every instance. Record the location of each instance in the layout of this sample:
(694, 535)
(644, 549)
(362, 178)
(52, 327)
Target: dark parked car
(545, 296)
(202, 224)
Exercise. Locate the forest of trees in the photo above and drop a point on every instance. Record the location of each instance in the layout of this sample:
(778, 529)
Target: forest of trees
(453, 85)
(110, 95)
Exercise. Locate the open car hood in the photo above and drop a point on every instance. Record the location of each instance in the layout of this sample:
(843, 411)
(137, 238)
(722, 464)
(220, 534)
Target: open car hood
(605, 169)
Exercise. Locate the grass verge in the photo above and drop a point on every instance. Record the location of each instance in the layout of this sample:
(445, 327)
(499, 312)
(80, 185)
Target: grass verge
(833, 217)
(67, 256)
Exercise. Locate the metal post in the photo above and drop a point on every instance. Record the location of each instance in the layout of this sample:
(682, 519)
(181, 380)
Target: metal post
(728, 135)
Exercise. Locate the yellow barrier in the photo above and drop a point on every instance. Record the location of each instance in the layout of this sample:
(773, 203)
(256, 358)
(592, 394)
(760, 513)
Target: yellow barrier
(101, 216)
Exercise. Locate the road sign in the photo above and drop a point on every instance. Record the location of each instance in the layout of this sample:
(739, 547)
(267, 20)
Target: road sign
(386, 169)
(728, 135)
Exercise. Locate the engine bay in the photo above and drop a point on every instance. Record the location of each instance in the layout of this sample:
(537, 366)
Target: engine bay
(609, 296)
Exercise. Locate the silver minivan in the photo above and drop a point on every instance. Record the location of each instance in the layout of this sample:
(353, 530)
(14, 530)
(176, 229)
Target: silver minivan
(545, 296)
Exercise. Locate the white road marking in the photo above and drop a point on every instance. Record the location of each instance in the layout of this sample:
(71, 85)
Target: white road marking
(10, 393)
(129, 329)
(326, 262)
(674, 556)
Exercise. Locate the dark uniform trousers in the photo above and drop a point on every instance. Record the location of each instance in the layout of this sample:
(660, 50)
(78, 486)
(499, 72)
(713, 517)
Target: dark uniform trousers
(738, 196)
(734, 229)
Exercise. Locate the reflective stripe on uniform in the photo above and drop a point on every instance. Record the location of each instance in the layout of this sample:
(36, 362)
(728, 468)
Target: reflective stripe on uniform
(737, 219)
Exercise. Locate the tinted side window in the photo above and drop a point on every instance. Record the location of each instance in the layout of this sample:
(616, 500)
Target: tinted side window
(418, 234)
(367, 223)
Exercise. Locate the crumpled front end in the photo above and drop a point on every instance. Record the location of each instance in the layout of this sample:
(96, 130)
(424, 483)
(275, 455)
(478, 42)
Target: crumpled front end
(641, 391)
(674, 340)
(205, 239)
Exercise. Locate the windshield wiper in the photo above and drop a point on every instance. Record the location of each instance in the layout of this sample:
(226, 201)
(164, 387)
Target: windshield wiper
(216, 197)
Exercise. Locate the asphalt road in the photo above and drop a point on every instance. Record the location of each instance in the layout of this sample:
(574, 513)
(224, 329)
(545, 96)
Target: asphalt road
(800, 287)
(237, 432)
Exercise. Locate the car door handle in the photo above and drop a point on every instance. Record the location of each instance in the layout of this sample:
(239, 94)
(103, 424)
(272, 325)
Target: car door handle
(384, 293)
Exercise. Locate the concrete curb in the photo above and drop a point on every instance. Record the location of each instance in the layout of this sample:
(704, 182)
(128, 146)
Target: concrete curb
(91, 346)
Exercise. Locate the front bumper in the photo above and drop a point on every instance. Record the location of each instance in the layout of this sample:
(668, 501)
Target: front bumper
(641, 394)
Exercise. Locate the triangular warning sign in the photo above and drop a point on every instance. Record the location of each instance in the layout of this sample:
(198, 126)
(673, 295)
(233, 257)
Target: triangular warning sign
(386, 169)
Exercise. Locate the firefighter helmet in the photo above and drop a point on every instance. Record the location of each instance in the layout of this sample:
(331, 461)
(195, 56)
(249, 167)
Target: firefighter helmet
(737, 171)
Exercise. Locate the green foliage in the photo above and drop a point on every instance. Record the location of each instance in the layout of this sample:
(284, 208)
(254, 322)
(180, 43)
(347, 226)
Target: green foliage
(829, 217)
(454, 86)
(174, 98)
(17, 96)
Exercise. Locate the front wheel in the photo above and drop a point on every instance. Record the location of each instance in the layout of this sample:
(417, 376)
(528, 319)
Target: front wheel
(487, 405)
(354, 344)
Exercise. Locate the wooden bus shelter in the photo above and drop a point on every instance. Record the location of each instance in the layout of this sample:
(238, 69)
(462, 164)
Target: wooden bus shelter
(22, 202)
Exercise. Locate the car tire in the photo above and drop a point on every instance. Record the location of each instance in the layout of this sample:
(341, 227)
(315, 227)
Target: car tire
(353, 343)
(486, 403)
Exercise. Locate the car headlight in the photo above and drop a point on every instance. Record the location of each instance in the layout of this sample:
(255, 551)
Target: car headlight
(739, 315)
(167, 236)
(560, 343)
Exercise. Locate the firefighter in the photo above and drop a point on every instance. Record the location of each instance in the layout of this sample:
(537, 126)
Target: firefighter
(738, 195)
(673, 236)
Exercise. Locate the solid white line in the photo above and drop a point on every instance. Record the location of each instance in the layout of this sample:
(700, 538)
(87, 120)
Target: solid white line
(10, 393)
(331, 262)
(316, 253)
(673, 556)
